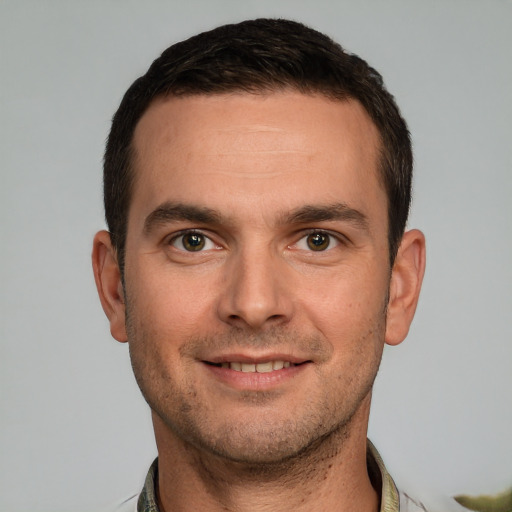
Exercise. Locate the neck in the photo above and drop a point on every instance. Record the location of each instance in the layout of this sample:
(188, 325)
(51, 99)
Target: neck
(329, 475)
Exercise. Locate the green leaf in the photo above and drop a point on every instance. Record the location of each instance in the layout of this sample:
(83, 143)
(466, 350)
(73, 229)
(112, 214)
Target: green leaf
(501, 502)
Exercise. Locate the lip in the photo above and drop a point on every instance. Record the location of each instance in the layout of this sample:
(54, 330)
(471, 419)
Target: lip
(255, 359)
(255, 381)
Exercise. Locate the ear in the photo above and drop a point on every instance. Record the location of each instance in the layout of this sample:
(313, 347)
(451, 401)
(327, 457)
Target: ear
(108, 282)
(404, 290)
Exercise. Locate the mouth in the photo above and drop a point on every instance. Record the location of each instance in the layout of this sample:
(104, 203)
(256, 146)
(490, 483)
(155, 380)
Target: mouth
(256, 373)
(261, 367)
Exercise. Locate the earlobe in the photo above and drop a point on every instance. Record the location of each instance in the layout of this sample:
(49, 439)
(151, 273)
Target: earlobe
(404, 291)
(108, 283)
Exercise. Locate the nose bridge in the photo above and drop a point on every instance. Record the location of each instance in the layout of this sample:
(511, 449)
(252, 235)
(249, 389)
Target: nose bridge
(254, 288)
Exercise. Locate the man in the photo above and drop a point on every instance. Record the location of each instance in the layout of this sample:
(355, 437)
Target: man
(257, 186)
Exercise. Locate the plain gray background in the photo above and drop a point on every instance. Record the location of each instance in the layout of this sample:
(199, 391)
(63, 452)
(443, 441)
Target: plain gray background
(75, 432)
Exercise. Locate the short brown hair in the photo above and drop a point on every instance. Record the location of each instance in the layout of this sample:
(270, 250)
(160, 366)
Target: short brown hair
(258, 56)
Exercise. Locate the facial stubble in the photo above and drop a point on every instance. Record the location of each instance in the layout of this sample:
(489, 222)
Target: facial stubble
(261, 438)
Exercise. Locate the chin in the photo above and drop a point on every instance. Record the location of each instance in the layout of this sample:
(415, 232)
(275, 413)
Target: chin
(260, 442)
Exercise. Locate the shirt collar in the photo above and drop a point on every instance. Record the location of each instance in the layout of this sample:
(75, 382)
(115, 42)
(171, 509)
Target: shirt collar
(147, 499)
(381, 479)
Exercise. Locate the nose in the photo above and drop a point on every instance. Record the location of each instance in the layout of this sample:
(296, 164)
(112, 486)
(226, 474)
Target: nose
(255, 293)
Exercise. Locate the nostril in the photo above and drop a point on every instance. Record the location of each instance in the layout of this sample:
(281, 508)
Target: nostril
(256, 320)
(254, 302)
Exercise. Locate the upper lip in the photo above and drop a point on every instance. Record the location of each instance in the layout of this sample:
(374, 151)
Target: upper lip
(254, 359)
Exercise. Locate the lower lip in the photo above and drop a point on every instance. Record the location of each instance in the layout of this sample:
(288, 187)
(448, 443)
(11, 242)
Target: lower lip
(254, 381)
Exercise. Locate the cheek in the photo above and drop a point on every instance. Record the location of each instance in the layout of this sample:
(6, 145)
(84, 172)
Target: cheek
(351, 317)
(157, 330)
(170, 303)
(348, 299)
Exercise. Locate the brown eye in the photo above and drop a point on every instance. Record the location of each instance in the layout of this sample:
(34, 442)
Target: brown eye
(318, 241)
(193, 242)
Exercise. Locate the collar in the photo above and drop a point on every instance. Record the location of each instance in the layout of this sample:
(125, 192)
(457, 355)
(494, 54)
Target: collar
(381, 479)
(147, 498)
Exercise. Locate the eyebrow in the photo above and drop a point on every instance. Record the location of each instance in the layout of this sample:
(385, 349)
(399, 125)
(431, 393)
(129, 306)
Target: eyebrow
(338, 211)
(172, 212)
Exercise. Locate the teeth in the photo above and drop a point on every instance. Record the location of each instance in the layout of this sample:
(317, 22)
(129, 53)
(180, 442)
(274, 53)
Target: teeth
(264, 367)
(257, 368)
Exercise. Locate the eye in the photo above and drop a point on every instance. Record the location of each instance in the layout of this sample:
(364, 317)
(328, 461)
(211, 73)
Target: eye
(192, 241)
(317, 241)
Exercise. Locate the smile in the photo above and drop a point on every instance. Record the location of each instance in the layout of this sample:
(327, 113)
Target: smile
(264, 367)
(244, 373)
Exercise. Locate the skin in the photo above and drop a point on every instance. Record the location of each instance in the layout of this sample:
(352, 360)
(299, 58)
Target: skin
(258, 179)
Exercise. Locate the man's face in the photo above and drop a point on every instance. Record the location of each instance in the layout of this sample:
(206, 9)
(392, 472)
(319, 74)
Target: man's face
(257, 269)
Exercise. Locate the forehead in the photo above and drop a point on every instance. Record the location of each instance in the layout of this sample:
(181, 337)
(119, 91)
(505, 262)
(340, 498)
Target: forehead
(276, 146)
(174, 119)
